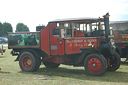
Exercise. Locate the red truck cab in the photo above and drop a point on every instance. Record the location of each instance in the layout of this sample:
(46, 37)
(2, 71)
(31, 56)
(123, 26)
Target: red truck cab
(78, 42)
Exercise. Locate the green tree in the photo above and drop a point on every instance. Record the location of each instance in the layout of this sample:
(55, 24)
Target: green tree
(1, 29)
(6, 27)
(20, 27)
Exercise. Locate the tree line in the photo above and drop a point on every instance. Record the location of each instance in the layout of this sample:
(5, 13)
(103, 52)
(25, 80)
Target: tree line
(7, 27)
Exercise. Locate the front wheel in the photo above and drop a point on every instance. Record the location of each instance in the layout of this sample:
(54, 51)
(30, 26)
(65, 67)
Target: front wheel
(95, 65)
(114, 62)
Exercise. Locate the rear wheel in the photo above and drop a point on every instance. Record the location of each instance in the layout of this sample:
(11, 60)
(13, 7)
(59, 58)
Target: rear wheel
(95, 65)
(29, 62)
(51, 65)
(114, 62)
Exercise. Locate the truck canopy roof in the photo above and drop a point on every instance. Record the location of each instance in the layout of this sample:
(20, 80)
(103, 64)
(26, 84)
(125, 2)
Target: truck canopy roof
(86, 20)
(118, 22)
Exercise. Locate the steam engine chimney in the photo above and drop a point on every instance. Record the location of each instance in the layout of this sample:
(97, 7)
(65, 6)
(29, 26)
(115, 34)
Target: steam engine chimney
(106, 22)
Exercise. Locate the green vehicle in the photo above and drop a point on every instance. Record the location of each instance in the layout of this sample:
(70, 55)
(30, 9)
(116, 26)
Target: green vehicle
(30, 40)
(26, 39)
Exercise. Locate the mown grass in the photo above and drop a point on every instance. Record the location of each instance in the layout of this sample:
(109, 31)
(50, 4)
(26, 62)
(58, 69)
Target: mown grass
(10, 74)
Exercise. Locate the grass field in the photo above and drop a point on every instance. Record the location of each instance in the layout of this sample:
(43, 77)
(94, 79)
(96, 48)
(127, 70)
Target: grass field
(11, 74)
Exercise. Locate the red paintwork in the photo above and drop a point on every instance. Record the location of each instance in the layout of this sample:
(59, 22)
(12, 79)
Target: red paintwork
(53, 39)
(122, 46)
(78, 34)
(56, 59)
(71, 45)
(94, 65)
(23, 32)
(45, 40)
(74, 45)
(25, 61)
(61, 46)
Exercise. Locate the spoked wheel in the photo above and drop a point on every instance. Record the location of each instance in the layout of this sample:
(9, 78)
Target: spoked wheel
(29, 62)
(51, 65)
(114, 62)
(95, 65)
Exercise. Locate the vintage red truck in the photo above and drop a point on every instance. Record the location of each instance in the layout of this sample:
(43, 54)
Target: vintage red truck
(78, 42)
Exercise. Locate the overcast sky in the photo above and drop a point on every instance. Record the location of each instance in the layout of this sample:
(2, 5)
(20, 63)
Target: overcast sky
(35, 12)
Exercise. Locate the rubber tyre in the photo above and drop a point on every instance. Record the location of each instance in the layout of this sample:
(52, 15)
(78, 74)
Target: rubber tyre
(118, 50)
(50, 65)
(28, 62)
(99, 63)
(114, 63)
(38, 64)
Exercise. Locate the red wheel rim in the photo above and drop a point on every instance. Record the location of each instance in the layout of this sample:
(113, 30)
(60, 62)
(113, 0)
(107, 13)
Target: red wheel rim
(26, 62)
(94, 65)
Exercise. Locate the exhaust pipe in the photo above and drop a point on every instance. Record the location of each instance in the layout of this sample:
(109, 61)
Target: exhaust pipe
(106, 23)
(107, 28)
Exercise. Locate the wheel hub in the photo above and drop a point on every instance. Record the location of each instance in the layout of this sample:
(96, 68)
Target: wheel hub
(94, 65)
(29, 62)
